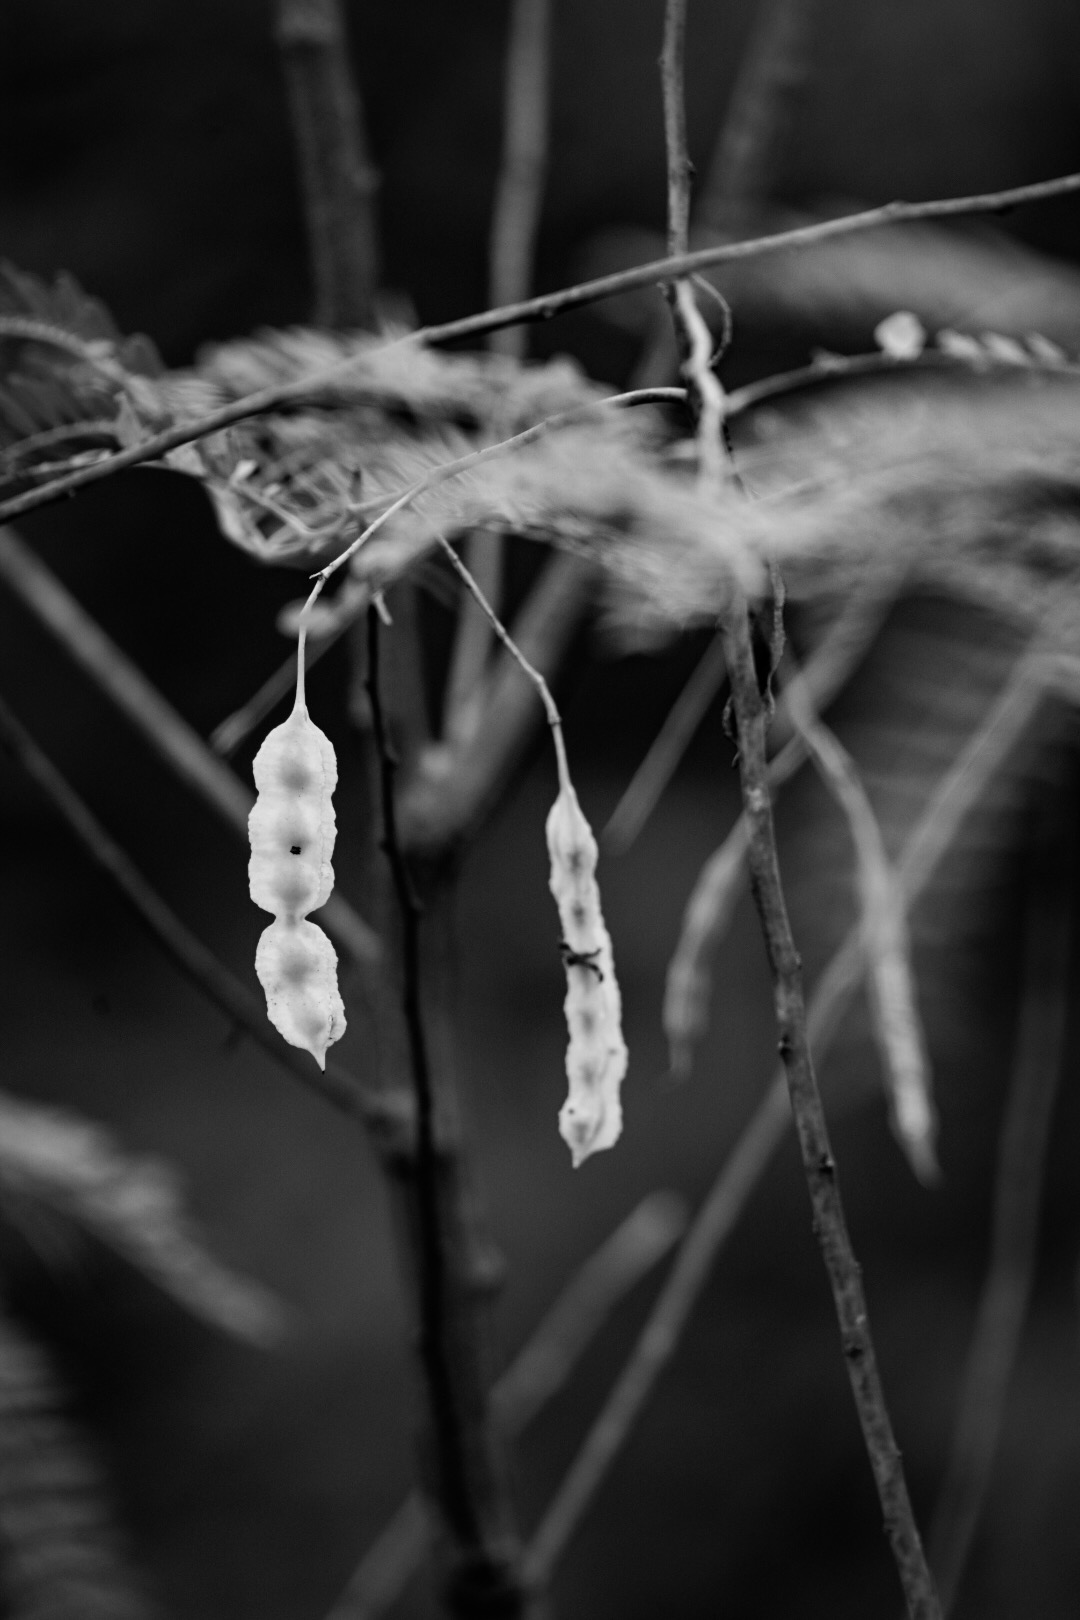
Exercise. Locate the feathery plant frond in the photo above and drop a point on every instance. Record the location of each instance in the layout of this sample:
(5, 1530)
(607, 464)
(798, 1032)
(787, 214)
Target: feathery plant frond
(61, 1554)
(133, 1205)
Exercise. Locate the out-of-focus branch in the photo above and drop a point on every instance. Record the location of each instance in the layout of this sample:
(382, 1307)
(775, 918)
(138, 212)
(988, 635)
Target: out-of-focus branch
(1025, 1129)
(177, 743)
(537, 309)
(537, 1373)
(774, 66)
(455, 785)
(189, 954)
(963, 785)
(519, 190)
(337, 178)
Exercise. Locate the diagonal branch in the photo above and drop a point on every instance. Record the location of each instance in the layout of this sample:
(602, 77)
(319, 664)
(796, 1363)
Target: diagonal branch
(189, 954)
(543, 308)
(167, 732)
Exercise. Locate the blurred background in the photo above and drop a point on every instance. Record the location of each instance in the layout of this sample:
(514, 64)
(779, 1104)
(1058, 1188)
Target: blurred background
(146, 149)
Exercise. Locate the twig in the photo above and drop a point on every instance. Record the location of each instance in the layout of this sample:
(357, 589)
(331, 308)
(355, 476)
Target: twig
(830, 1226)
(958, 791)
(466, 1469)
(1025, 1128)
(177, 743)
(894, 1008)
(337, 178)
(538, 1372)
(520, 188)
(189, 954)
(750, 718)
(773, 66)
(453, 787)
(543, 308)
(231, 732)
(472, 641)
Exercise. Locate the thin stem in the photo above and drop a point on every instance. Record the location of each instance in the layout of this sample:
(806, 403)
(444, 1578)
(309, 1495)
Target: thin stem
(337, 177)
(188, 953)
(828, 1217)
(167, 732)
(520, 188)
(543, 308)
(679, 167)
(1022, 1149)
(454, 786)
(537, 1373)
(467, 1481)
(475, 458)
(231, 732)
(959, 790)
(472, 641)
(830, 1227)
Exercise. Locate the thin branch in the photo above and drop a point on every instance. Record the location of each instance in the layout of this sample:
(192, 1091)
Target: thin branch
(229, 734)
(520, 188)
(466, 1469)
(462, 704)
(188, 953)
(830, 1227)
(543, 308)
(959, 790)
(773, 68)
(337, 178)
(894, 1008)
(453, 787)
(1022, 1148)
(177, 743)
(537, 1373)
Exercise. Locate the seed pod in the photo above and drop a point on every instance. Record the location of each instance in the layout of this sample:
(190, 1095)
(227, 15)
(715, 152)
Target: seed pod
(591, 1117)
(292, 829)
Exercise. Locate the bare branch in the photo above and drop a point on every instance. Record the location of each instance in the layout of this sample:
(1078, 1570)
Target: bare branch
(542, 308)
(520, 188)
(958, 791)
(337, 177)
(454, 786)
(465, 1465)
(539, 1370)
(167, 732)
(1022, 1146)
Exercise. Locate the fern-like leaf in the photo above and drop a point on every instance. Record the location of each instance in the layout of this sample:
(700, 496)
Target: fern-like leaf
(133, 1205)
(61, 1554)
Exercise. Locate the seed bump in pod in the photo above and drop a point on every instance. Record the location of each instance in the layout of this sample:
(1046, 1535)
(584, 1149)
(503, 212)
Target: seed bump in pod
(292, 829)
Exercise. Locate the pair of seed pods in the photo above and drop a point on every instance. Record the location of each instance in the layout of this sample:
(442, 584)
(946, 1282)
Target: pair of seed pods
(292, 829)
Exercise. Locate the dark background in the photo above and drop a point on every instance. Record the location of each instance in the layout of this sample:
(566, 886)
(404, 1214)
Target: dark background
(145, 148)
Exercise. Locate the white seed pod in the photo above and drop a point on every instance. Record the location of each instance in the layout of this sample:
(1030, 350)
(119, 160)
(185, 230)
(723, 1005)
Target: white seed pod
(591, 1117)
(292, 829)
(297, 968)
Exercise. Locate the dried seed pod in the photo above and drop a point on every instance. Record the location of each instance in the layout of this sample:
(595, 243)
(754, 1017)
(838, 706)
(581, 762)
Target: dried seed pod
(591, 1117)
(292, 829)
